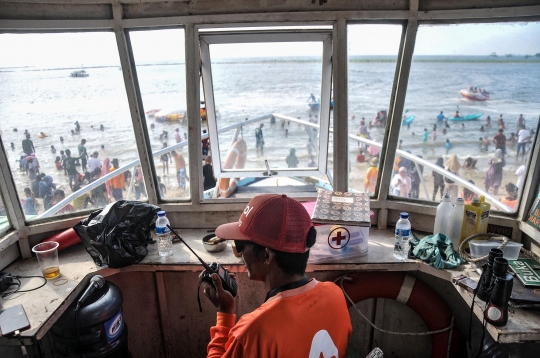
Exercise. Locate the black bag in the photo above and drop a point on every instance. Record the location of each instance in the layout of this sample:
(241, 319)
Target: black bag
(118, 234)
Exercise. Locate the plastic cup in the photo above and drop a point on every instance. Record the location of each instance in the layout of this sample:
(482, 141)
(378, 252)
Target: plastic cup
(47, 255)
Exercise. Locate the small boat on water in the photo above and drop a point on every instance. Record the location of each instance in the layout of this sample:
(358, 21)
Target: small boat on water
(178, 115)
(81, 73)
(314, 102)
(407, 121)
(152, 112)
(470, 117)
(474, 96)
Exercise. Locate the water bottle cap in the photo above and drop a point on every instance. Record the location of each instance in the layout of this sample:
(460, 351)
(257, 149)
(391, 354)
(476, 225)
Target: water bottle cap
(446, 197)
(460, 201)
(404, 215)
(161, 213)
(476, 201)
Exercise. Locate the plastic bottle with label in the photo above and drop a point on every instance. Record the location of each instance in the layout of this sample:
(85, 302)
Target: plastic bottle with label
(403, 232)
(163, 235)
(476, 218)
(456, 222)
(444, 209)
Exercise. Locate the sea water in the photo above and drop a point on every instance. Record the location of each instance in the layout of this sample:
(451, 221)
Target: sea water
(51, 101)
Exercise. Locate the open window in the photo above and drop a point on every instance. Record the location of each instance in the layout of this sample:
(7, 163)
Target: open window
(469, 118)
(4, 220)
(160, 59)
(372, 67)
(69, 122)
(268, 102)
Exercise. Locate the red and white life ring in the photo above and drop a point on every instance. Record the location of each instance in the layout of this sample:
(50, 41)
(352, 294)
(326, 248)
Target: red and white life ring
(236, 158)
(414, 293)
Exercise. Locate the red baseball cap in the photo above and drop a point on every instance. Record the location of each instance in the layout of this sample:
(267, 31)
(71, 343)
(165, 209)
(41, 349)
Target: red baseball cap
(271, 220)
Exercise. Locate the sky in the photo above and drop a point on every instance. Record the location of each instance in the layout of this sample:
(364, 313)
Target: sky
(57, 50)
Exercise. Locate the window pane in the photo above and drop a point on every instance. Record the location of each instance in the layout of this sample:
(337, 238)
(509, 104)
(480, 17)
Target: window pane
(471, 89)
(276, 87)
(372, 64)
(71, 99)
(159, 56)
(4, 220)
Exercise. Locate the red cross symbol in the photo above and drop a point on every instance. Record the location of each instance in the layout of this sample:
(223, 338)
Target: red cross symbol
(339, 238)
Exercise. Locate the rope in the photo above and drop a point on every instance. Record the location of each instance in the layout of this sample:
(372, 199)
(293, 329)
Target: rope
(493, 237)
(343, 278)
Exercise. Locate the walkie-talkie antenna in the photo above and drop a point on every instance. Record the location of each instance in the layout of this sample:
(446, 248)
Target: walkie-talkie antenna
(205, 265)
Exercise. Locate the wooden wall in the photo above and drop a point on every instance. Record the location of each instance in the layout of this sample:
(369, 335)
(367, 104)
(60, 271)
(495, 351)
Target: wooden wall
(161, 311)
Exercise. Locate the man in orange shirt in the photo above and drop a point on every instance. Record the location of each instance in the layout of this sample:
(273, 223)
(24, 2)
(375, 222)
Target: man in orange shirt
(300, 317)
(117, 183)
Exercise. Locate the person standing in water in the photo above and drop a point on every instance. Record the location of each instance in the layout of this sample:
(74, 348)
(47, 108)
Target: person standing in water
(441, 117)
(82, 154)
(259, 140)
(71, 169)
(28, 145)
(292, 160)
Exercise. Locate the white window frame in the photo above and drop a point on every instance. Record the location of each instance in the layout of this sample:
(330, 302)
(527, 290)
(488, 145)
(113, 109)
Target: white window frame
(325, 36)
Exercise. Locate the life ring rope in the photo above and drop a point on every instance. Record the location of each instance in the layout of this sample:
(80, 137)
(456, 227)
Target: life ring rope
(403, 296)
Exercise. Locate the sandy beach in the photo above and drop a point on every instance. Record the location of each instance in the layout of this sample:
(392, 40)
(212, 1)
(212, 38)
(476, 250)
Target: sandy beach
(477, 175)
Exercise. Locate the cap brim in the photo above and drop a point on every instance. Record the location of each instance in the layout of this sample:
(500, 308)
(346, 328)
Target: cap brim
(231, 232)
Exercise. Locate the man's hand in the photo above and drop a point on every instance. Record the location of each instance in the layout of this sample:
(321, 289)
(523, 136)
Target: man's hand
(221, 299)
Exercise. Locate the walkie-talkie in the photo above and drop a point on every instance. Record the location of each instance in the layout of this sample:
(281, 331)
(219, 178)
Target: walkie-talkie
(229, 284)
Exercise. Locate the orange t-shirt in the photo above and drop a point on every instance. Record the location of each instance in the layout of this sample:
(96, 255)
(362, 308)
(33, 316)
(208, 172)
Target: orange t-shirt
(118, 182)
(508, 202)
(371, 179)
(303, 322)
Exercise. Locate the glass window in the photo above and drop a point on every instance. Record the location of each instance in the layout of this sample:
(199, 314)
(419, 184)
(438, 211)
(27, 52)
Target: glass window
(161, 71)
(65, 113)
(4, 220)
(265, 111)
(372, 55)
(471, 110)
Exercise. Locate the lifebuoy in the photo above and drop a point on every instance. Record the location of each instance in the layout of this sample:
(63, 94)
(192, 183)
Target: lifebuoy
(415, 294)
(236, 158)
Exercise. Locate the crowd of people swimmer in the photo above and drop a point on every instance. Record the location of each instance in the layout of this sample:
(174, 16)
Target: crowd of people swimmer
(81, 168)
(86, 166)
(407, 179)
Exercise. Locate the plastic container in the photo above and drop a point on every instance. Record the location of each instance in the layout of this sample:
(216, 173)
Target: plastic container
(481, 248)
(403, 232)
(163, 235)
(476, 219)
(444, 209)
(456, 222)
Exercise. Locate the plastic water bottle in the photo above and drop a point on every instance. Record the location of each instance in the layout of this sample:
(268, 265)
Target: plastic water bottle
(403, 232)
(444, 209)
(456, 222)
(163, 235)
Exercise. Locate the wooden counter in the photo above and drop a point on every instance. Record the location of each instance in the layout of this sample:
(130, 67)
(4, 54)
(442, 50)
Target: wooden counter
(45, 305)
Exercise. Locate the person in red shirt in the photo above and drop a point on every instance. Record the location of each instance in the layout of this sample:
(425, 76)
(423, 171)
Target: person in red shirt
(500, 141)
(300, 317)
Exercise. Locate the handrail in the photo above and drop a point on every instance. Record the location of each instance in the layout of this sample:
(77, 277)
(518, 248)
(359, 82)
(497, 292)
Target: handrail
(54, 209)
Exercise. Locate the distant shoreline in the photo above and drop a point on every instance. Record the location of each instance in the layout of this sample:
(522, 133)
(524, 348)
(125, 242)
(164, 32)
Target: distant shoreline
(532, 59)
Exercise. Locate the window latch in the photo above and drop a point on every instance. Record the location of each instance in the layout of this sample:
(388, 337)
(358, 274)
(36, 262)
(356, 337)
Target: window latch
(268, 172)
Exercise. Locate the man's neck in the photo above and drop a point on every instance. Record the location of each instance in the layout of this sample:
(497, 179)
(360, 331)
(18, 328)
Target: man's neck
(279, 279)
